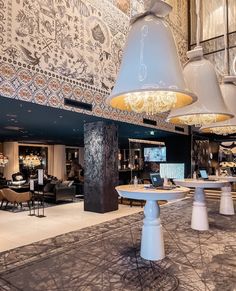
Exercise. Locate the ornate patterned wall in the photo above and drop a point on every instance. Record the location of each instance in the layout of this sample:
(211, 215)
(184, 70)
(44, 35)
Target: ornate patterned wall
(56, 49)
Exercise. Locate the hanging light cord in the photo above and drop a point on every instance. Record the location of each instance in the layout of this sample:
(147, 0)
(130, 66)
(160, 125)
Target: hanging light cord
(198, 22)
(226, 60)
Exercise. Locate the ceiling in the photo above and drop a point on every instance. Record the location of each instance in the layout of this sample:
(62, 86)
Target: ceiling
(33, 123)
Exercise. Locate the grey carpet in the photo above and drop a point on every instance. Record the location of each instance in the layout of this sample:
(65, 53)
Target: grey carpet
(106, 257)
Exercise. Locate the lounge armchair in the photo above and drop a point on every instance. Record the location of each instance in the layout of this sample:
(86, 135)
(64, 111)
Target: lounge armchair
(1, 198)
(16, 198)
(59, 191)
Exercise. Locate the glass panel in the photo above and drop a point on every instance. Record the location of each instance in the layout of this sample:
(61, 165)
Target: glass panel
(232, 15)
(212, 19)
(232, 39)
(213, 45)
(217, 59)
(193, 21)
(232, 61)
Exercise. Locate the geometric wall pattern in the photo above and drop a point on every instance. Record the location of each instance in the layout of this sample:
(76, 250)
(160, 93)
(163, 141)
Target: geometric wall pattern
(51, 50)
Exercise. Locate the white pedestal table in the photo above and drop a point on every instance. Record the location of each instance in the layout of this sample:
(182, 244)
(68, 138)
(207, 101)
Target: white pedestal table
(152, 243)
(226, 200)
(199, 211)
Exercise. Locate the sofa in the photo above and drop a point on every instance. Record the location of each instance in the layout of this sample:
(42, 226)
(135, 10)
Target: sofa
(59, 191)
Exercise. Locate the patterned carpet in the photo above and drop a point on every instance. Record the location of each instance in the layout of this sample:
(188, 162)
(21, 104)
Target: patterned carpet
(106, 257)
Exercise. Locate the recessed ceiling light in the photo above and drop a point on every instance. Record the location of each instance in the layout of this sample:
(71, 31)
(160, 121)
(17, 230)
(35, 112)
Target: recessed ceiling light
(60, 116)
(29, 110)
(152, 132)
(13, 128)
(11, 115)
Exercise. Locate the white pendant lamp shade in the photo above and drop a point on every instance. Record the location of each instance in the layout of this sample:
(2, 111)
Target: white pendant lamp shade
(150, 79)
(201, 78)
(229, 94)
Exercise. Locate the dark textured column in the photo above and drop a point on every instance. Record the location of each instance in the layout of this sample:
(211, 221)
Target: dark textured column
(101, 167)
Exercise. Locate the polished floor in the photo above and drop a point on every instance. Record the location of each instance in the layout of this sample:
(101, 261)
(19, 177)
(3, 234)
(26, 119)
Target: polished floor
(106, 256)
(18, 229)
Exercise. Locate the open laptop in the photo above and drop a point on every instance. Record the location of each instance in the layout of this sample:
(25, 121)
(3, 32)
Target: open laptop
(156, 180)
(204, 176)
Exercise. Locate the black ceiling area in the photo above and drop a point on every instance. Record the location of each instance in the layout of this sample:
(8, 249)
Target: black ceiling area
(32, 123)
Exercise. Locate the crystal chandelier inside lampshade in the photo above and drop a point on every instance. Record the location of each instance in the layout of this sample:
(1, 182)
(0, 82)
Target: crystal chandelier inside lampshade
(228, 89)
(201, 78)
(31, 161)
(150, 102)
(3, 160)
(150, 78)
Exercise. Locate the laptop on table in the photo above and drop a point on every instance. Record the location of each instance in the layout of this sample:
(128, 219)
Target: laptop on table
(204, 176)
(157, 182)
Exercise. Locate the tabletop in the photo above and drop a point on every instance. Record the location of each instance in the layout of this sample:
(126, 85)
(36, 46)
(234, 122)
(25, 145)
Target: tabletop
(198, 183)
(226, 178)
(140, 192)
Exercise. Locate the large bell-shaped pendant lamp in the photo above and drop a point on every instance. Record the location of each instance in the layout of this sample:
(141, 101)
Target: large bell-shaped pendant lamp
(150, 79)
(201, 78)
(228, 89)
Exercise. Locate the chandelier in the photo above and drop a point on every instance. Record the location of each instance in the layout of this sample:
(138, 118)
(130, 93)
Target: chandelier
(31, 161)
(3, 160)
(198, 119)
(149, 102)
(223, 130)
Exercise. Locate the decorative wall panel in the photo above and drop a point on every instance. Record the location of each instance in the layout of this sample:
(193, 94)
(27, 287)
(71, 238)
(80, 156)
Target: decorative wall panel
(56, 49)
(101, 167)
(200, 154)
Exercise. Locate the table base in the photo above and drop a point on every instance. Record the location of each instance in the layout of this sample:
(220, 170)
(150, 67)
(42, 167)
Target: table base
(226, 201)
(199, 211)
(152, 242)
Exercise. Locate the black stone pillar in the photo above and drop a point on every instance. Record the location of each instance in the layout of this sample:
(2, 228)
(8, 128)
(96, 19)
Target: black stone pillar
(101, 167)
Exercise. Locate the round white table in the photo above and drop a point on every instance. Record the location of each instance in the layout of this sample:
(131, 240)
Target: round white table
(152, 243)
(199, 212)
(226, 200)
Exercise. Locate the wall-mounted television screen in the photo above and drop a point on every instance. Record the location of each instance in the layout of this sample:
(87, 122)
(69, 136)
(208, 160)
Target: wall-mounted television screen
(172, 171)
(157, 154)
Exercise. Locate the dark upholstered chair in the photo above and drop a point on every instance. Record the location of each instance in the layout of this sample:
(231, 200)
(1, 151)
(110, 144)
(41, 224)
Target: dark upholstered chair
(59, 191)
(18, 179)
(18, 176)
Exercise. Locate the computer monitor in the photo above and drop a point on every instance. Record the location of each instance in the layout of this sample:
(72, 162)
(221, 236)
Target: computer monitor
(172, 170)
(156, 179)
(203, 174)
